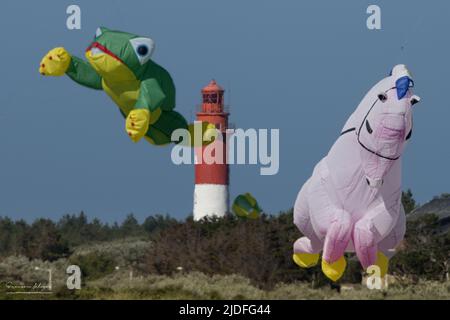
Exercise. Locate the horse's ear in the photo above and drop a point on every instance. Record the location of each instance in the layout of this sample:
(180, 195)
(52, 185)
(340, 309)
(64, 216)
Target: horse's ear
(399, 71)
(414, 100)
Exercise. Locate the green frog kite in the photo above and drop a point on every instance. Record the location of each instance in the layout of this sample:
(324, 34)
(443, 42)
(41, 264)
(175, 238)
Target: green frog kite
(119, 63)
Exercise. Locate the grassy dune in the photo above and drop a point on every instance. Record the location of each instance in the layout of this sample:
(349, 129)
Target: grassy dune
(199, 286)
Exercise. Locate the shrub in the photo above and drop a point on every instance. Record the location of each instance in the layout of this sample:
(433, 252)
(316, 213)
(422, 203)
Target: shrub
(260, 250)
(94, 265)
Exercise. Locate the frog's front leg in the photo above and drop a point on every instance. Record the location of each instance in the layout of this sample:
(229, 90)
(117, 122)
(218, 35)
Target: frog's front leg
(137, 124)
(58, 62)
(55, 63)
(146, 111)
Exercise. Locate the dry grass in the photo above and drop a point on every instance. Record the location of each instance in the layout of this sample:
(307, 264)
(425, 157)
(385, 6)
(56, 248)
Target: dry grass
(117, 285)
(199, 286)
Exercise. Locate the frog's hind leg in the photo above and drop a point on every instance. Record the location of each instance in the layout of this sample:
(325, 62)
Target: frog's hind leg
(160, 133)
(307, 248)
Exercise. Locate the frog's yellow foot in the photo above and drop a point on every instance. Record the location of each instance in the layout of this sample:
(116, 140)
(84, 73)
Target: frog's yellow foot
(137, 124)
(207, 131)
(335, 270)
(306, 260)
(55, 63)
(383, 263)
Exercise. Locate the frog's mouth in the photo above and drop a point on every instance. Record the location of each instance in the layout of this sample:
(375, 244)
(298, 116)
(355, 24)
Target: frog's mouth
(107, 64)
(96, 49)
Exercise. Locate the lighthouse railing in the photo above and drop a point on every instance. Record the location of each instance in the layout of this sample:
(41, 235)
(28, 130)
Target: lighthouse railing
(225, 109)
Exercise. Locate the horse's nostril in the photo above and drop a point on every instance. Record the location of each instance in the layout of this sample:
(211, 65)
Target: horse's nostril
(368, 182)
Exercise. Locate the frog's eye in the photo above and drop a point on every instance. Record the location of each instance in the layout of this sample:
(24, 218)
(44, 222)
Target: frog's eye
(143, 47)
(142, 50)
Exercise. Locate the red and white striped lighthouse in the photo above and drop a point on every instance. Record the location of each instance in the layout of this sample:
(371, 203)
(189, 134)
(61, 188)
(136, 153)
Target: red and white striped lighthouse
(211, 180)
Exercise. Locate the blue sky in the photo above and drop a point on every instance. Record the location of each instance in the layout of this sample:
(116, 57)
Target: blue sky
(300, 66)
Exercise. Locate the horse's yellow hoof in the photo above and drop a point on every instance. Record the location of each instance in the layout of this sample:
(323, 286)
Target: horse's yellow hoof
(306, 260)
(335, 270)
(382, 263)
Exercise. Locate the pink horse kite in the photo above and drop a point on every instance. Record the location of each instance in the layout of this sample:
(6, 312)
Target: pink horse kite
(352, 201)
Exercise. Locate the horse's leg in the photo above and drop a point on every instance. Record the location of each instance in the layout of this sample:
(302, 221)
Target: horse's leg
(390, 242)
(330, 223)
(336, 241)
(369, 233)
(306, 252)
(307, 248)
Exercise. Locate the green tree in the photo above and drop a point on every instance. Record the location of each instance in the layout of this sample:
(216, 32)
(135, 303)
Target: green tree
(44, 241)
(408, 201)
(130, 227)
(425, 252)
(157, 223)
(94, 265)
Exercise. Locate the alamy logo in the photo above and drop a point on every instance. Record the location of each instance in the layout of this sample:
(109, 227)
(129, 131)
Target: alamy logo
(74, 279)
(73, 22)
(374, 281)
(374, 20)
(251, 146)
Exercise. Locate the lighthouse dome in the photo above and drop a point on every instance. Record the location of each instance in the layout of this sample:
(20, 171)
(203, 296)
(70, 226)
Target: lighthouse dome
(212, 87)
